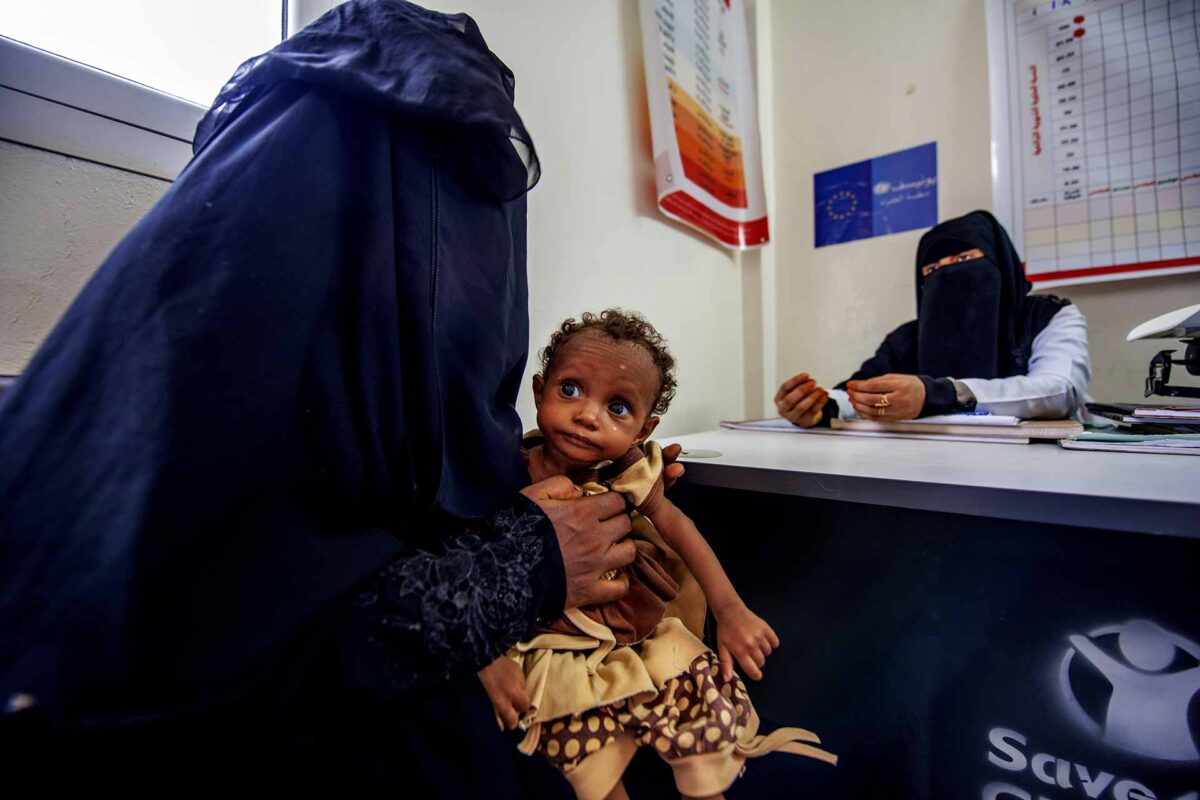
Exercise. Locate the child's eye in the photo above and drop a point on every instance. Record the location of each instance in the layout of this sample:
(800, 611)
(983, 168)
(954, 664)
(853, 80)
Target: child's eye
(618, 408)
(569, 389)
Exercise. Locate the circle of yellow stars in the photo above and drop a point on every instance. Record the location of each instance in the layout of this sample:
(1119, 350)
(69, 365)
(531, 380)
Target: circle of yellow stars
(842, 195)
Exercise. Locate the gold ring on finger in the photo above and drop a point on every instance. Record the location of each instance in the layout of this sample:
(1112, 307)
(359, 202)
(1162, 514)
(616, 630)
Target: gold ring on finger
(878, 412)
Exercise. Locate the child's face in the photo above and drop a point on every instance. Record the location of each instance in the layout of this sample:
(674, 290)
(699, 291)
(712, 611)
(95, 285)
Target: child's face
(596, 400)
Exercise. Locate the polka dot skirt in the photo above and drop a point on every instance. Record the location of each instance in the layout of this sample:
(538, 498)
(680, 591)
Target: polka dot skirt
(696, 712)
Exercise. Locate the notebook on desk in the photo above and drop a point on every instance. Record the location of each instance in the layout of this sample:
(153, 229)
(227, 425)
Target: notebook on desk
(978, 432)
(1046, 429)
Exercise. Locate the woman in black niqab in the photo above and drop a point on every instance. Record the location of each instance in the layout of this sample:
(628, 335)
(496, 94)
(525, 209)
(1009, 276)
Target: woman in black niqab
(294, 373)
(975, 316)
(971, 343)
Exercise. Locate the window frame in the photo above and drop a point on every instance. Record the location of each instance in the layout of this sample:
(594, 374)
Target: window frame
(53, 103)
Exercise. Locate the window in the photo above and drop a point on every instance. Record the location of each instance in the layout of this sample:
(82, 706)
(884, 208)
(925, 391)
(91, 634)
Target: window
(123, 82)
(187, 48)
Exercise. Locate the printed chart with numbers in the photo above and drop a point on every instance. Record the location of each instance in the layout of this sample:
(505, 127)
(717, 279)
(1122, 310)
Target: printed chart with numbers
(703, 120)
(1098, 156)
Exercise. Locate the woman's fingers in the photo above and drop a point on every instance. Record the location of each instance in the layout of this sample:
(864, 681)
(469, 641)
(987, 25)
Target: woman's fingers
(620, 555)
(883, 383)
(508, 717)
(804, 404)
(815, 400)
(796, 395)
(811, 417)
(814, 416)
(896, 412)
(606, 591)
(606, 506)
(559, 487)
(868, 412)
(870, 399)
(789, 384)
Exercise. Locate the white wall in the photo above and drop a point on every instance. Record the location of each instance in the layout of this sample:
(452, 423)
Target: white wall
(59, 217)
(856, 80)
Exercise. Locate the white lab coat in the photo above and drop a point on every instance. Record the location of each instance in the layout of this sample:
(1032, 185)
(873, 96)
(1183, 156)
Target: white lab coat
(1059, 370)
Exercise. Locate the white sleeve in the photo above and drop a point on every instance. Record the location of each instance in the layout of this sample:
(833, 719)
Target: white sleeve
(1059, 371)
(844, 406)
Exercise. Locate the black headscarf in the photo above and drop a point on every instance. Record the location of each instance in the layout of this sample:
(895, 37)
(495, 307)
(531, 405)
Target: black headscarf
(975, 319)
(303, 358)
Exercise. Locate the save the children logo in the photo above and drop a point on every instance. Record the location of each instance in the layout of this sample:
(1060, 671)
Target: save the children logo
(1131, 685)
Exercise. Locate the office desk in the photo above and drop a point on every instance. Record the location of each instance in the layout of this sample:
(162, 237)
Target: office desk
(1035, 482)
(965, 619)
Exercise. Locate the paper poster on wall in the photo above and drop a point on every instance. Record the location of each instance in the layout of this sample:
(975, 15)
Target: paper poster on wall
(889, 194)
(1096, 135)
(703, 119)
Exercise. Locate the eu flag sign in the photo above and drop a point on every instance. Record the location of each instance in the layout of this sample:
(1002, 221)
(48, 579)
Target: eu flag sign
(888, 194)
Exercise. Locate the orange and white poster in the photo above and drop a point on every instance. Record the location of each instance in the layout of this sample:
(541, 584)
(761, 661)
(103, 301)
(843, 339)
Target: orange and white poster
(703, 118)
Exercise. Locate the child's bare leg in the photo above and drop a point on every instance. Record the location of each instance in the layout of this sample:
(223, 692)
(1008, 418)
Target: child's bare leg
(711, 797)
(617, 793)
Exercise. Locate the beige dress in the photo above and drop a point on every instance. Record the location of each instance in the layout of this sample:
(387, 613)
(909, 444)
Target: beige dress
(595, 700)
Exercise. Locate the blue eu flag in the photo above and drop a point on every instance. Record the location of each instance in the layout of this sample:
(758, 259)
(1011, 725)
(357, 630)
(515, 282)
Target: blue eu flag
(889, 194)
(843, 204)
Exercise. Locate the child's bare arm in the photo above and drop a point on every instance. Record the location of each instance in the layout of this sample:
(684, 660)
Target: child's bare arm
(740, 632)
(685, 539)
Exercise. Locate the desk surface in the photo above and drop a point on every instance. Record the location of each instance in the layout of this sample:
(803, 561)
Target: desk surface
(1135, 492)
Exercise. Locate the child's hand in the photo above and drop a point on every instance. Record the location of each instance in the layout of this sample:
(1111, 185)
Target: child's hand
(744, 635)
(672, 470)
(505, 685)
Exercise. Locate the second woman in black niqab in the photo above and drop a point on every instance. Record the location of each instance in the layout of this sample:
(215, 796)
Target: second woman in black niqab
(975, 319)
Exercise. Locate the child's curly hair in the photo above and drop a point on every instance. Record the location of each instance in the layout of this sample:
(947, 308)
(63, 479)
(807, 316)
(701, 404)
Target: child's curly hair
(621, 326)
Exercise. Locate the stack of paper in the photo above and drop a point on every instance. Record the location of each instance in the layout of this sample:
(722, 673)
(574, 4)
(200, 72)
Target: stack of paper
(1150, 418)
(1186, 444)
